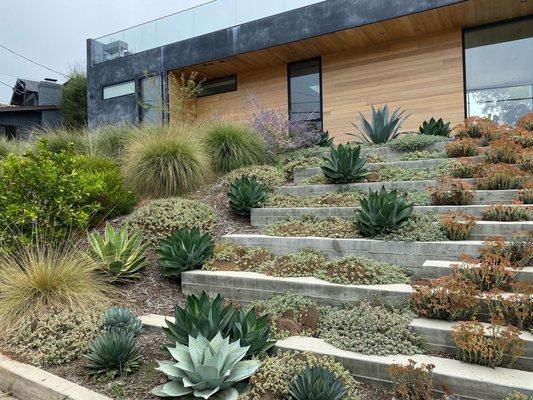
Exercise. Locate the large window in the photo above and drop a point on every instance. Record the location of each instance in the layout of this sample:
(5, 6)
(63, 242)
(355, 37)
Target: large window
(151, 100)
(305, 91)
(119, 89)
(499, 70)
(219, 85)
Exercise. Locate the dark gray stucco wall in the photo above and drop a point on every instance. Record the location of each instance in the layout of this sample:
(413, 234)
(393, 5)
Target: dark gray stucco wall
(314, 20)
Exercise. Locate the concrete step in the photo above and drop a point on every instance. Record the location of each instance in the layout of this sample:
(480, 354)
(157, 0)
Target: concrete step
(468, 381)
(437, 268)
(307, 190)
(437, 335)
(411, 255)
(300, 174)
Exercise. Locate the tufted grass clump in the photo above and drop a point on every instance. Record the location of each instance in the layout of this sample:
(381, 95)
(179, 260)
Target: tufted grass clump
(268, 175)
(231, 145)
(37, 277)
(370, 329)
(273, 378)
(160, 218)
(54, 337)
(61, 139)
(112, 140)
(165, 161)
(11, 146)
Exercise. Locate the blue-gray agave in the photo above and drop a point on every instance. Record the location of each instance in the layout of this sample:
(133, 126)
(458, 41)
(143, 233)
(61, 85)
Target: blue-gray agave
(206, 369)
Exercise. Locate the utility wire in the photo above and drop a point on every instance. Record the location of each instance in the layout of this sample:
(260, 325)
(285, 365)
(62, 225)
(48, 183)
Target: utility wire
(34, 62)
(9, 86)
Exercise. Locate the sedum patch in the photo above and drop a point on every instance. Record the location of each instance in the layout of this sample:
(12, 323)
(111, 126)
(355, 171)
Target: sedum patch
(370, 329)
(54, 338)
(266, 174)
(271, 382)
(351, 270)
(423, 155)
(419, 228)
(330, 199)
(388, 174)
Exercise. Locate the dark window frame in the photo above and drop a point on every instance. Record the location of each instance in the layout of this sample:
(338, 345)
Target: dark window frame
(319, 59)
(464, 31)
(234, 87)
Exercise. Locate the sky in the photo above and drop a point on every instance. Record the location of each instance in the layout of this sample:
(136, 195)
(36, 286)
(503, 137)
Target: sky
(54, 32)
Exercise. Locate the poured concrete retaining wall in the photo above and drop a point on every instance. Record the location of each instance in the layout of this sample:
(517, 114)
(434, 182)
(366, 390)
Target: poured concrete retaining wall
(437, 334)
(407, 254)
(307, 190)
(250, 286)
(436, 268)
(26, 382)
(469, 381)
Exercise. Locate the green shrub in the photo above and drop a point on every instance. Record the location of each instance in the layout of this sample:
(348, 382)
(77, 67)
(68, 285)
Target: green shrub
(112, 140)
(233, 146)
(370, 329)
(200, 315)
(206, 369)
(113, 354)
(316, 383)
(435, 128)
(74, 103)
(38, 277)
(382, 127)
(414, 142)
(120, 256)
(245, 194)
(273, 378)
(165, 161)
(185, 250)
(122, 319)
(252, 332)
(269, 176)
(382, 212)
(344, 164)
(57, 193)
(54, 337)
(159, 219)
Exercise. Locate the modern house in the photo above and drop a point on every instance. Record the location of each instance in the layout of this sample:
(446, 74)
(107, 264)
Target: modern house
(33, 104)
(323, 60)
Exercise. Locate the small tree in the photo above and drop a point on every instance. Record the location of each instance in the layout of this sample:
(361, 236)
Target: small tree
(74, 104)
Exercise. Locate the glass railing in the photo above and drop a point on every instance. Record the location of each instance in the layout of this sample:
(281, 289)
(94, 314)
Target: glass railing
(206, 18)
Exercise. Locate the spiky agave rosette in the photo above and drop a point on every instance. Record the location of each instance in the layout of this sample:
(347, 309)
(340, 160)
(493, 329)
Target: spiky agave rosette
(206, 369)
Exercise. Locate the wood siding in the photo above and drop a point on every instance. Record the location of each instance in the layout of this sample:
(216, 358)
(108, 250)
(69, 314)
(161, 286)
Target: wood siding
(423, 75)
(269, 85)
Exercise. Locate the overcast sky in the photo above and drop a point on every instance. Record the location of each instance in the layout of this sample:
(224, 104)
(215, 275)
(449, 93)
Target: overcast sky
(53, 32)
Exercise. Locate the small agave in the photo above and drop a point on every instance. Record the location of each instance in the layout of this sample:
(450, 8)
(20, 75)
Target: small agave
(206, 369)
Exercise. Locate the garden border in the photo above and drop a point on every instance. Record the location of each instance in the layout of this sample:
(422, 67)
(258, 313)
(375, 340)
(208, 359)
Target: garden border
(26, 382)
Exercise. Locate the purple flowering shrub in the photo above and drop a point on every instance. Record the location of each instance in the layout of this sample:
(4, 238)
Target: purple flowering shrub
(279, 132)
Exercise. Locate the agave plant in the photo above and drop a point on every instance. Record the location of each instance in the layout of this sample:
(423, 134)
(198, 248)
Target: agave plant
(246, 193)
(200, 316)
(185, 250)
(120, 319)
(120, 255)
(382, 212)
(252, 332)
(344, 164)
(435, 128)
(324, 140)
(317, 383)
(112, 354)
(207, 369)
(383, 127)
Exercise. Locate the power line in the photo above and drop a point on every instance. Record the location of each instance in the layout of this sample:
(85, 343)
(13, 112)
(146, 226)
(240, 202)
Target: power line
(34, 62)
(9, 86)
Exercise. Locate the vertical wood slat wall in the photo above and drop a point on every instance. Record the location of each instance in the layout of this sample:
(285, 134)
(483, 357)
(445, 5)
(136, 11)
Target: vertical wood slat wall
(423, 75)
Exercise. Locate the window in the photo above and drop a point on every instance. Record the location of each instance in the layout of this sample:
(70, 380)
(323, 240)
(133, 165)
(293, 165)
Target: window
(151, 100)
(498, 69)
(305, 91)
(119, 89)
(219, 85)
